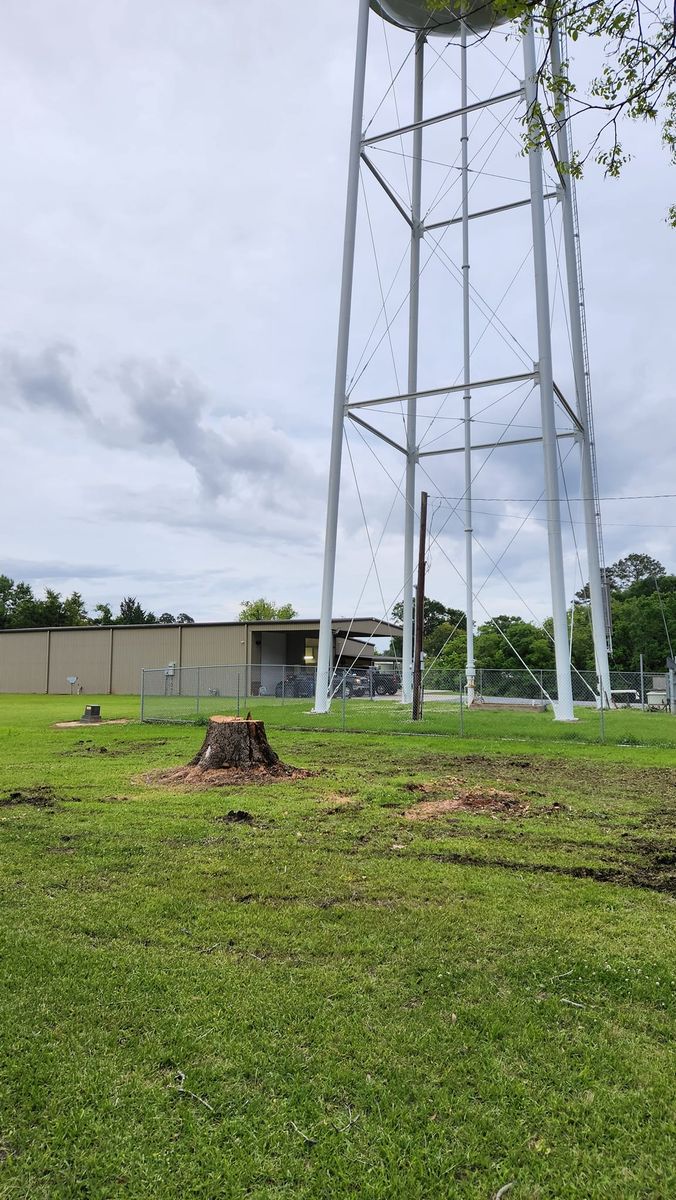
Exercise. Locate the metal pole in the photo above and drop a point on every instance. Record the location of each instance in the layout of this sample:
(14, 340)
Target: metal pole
(563, 708)
(143, 691)
(602, 723)
(575, 303)
(462, 719)
(197, 706)
(467, 395)
(642, 684)
(322, 700)
(412, 405)
(419, 613)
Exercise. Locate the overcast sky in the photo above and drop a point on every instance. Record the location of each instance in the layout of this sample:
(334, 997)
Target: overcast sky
(170, 226)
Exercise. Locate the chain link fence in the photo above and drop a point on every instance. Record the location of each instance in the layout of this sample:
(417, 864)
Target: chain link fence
(364, 697)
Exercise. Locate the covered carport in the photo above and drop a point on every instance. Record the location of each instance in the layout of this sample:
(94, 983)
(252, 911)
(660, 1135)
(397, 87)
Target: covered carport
(277, 649)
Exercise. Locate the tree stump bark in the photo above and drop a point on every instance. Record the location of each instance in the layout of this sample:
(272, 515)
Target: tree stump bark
(234, 742)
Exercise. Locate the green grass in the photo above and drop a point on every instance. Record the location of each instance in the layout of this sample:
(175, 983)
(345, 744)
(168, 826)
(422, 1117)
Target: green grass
(620, 727)
(332, 1000)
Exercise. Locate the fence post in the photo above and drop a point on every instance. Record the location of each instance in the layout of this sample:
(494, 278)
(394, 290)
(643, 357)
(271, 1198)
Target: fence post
(344, 699)
(197, 706)
(238, 679)
(602, 722)
(462, 714)
(642, 687)
(143, 691)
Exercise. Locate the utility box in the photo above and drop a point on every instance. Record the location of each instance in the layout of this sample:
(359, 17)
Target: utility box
(91, 714)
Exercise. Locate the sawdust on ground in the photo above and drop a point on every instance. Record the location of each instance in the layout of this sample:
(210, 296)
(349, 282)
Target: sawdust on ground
(453, 795)
(194, 779)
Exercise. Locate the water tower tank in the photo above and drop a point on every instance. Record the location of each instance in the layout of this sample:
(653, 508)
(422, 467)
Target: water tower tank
(444, 22)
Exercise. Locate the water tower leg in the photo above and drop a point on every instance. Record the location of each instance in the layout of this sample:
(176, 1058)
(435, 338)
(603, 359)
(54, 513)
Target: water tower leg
(575, 308)
(322, 700)
(563, 708)
(467, 395)
(412, 405)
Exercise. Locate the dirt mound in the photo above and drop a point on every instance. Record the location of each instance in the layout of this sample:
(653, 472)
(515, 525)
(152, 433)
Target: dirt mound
(195, 779)
(40, 797)
(452, 795)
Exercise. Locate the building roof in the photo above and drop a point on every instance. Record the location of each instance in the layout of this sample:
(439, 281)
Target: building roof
(368, 627)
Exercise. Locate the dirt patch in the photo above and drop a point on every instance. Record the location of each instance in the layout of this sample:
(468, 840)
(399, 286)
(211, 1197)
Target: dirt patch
(83, 748)
(340, 802)
(236, 816)
(79, 724)
(39, 797)
(194, 779)
(453, 795)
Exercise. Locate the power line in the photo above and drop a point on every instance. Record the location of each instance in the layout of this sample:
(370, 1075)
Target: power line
(579, 499)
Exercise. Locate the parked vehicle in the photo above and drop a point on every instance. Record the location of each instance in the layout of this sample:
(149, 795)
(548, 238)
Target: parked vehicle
(296, 686)
(385, 683)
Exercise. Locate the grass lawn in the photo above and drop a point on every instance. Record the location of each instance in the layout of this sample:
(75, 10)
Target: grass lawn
(330, 999)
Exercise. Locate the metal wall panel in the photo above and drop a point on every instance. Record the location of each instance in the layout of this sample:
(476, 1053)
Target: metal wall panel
(81, 652)
(213, 645)
(23, 661)
(137, 646)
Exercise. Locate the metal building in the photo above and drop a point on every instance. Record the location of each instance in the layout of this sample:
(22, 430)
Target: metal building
(108, 660)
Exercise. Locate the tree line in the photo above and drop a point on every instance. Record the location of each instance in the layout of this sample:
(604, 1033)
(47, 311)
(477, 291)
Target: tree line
(20, 608)
(643, 606)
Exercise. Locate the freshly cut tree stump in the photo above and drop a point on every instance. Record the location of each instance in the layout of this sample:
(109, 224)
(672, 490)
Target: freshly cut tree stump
(234, 742)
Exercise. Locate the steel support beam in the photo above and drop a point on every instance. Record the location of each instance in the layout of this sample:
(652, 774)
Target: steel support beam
(379, 434)
(325, 647)
(443, 391)
(529, 441)
(583, 394)
(419, 123)
(485, 212)
(466, 371)
(563, 707)
(412, 403)
(387, 189)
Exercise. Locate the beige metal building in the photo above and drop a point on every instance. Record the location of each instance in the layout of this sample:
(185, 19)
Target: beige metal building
(109, 659)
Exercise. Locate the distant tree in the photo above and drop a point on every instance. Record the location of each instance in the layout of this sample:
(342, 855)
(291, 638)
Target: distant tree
(633, 569)
(6, 594)
(50, 610)
(530, 644)
(167, 619)
(25, 608)
(435, 615)
(184, 619)
(452, 651)
(625, 573)
(445, 633)
(74, 610)
(265, 610)
(104, 615)
(131, 612)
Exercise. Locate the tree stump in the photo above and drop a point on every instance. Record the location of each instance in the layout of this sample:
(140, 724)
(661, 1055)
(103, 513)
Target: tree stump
(234, 742)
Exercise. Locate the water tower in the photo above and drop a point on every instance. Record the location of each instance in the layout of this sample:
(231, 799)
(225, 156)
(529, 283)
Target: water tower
(466, 24)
